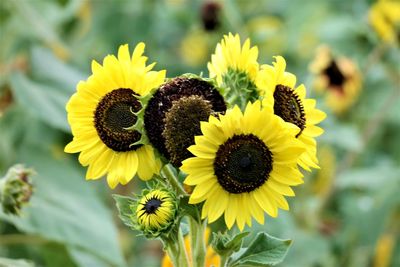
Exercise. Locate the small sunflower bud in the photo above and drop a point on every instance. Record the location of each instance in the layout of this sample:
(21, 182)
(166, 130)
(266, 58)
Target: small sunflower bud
(154, 212)
(15, 189)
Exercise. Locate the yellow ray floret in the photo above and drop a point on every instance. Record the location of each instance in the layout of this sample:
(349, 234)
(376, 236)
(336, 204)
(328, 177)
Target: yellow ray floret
(230, 55)
(281, 96)
(243, 165)
(101, 110)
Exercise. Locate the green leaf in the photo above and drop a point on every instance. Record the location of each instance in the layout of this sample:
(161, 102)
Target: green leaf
(124, 204)
(225, 245)
(265, 250)
(46, 102)
(4, 262)
(65, 208)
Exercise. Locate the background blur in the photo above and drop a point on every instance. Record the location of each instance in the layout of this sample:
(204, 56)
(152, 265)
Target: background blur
(346, 214)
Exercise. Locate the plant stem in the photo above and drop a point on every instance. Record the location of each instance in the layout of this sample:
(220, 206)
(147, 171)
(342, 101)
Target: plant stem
(197, 228)
(173, 180)
(224, 260)
(176, 250)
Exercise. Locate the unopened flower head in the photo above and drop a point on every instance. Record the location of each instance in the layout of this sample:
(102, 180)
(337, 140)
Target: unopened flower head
(15, 189)
(156, 212)
(102, 113)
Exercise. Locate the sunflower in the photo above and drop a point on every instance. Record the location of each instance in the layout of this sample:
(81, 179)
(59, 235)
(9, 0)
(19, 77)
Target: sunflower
(290, 103)
(339, 78)
(173, 114)
(240, 168)
(212, 259)
(101, 111)
(235, 68)
(384, 17)
(155, 212)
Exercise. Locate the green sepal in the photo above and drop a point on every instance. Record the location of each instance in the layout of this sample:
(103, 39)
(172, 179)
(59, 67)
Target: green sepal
(139, 125)
(225, 245)
(124, 205)
(264, 251)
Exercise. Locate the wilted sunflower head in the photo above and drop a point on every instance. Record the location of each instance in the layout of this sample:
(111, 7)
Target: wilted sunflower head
(288, 101)
(102, 114)
(156, 212)
(336, 77)
(173, 114)
(384, 17)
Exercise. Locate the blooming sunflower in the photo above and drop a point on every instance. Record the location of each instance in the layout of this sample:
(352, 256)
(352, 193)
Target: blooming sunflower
(235, 68)
(384, 17)
(290, 103)
(240, 168)
(101, 111)
(339, 78)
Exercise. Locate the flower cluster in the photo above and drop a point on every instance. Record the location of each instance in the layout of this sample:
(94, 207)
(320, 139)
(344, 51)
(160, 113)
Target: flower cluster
(238, 138)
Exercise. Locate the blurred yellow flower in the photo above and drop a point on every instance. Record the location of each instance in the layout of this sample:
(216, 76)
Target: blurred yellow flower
(384, 17)
(212, 258)
(324, 178)
(338, 78)
(194, 48)
(384, 250)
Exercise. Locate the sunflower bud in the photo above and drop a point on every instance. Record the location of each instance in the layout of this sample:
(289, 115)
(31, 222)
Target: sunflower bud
(15, 189)
(154, 212)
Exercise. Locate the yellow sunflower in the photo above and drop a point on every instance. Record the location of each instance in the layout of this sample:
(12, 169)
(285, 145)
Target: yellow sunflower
(384, 17)
(290, 103)
(339, 78)
(102, 109)
(235, 68)
(242, 169)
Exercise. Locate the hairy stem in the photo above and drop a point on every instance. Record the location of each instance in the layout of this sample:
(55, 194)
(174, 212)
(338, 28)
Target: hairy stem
(173, 180)
(197, 228)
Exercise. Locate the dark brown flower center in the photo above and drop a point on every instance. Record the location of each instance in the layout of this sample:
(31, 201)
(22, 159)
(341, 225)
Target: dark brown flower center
(163, 101)
(335, 76)
(242, 164)
(288, 106)
(182, 124)
(113, 114)
(151, 206)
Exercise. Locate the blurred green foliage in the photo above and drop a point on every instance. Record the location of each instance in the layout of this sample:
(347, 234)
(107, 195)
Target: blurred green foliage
(342, 216)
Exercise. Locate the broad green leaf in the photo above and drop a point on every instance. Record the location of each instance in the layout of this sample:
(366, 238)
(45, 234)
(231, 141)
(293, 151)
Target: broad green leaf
(265, 250)
(47, 67)
(46, 102)
(124, 208)
(4, 262)
(65, 208)
(224, 244)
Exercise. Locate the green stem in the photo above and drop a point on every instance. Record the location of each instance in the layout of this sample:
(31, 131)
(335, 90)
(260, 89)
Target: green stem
(224, 260)
(177, 251)
(197, 229)
(173, 180)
